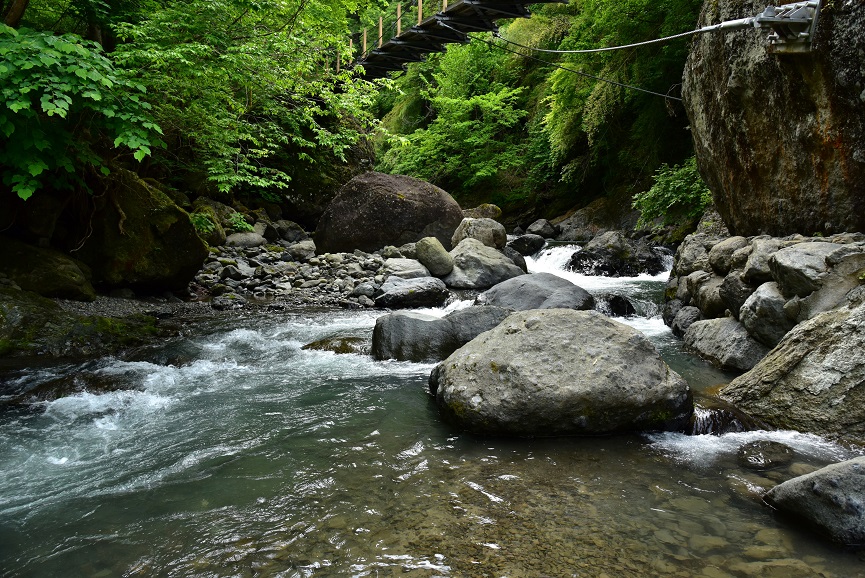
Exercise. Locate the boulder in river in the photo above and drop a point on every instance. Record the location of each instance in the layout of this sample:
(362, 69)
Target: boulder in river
(413, 336)
(831, 500)
(614, 255)
(543, 228)
(527, 244)
(397, 292)
(477, 266)
(538, 291)
(374, 210)
(814, 380)
(725, 342)
(560, 372)
(405, 268)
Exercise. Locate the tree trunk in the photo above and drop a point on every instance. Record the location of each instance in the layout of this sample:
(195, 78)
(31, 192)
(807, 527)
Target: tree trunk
(14, 12)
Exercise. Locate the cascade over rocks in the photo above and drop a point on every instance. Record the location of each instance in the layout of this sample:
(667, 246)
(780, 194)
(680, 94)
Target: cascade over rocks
(814, 380)
(745, 104)
(538, 291)
(560, 372)
(832, 500)
(373, 210)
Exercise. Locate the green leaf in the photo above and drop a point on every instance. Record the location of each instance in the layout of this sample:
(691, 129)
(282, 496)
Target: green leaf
(35, 168)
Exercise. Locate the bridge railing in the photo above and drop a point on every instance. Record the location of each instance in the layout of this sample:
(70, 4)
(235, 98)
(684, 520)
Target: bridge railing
(397, 20)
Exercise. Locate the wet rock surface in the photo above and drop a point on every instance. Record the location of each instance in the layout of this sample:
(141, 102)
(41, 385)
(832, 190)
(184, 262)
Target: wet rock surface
(557, 372)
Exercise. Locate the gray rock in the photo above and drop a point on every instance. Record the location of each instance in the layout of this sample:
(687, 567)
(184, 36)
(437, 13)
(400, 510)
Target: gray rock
(477, 266)
(45, 271)
(290, 231)
(303, 250)
(409, 250)
(432, 255)
(560, 372)
(397, 292)
(266, 230)
(538, 291)
(412, 336)
(721, 255)
(814, 380)
(405, 268)
(734, 292)
(756, 270)
(692, 255)
(365, 289)
(612, 254)
(543, 228)
(726, 343)
(518, 259)
(614, 305)
(832, 500)
(685, 317)
(764, 316)
(670, 310)
(800, 269)
(245, 240)
(707, 296)
(527, 244)
(489, 232)
(601, 215)
(817, 182)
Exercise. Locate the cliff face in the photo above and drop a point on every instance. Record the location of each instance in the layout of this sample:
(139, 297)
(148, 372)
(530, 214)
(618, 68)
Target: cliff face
(780, 138)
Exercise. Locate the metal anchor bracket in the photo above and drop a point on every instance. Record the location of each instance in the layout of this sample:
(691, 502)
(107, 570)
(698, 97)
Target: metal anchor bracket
(791, 26)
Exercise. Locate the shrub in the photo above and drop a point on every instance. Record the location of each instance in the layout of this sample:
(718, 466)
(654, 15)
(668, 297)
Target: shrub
(679, 194)
(238, 223)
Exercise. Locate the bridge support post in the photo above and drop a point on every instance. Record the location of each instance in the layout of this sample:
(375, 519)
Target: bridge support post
(419, 12)
(399, 19)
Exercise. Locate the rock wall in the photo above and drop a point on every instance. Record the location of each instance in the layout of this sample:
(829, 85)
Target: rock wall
(780, 138)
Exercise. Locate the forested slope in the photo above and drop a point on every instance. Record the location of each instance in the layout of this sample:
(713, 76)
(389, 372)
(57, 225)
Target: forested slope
(492, 121)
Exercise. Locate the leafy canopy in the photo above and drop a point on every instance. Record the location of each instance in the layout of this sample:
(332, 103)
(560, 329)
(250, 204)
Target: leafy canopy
(60, 96)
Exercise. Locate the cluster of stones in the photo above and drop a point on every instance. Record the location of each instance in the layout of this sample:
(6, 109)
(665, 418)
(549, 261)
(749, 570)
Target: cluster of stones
(733, 299)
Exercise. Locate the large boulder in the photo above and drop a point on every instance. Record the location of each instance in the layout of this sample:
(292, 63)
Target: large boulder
(726, 343)
(412, 336)
(489, 232)
(527, 244)
(746, 103)
(405, 268)
(137, 237)
(477, 266)
(830, 500)
(373, 210)
(560, 372)
(814, 380)
(538, 291)
(46, 272)
(397, 292)
(764, 317)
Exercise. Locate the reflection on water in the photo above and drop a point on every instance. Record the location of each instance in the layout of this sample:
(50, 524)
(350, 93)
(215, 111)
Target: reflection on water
(257, 458)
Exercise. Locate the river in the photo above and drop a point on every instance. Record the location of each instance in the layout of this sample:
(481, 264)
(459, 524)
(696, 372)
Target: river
(233, 452)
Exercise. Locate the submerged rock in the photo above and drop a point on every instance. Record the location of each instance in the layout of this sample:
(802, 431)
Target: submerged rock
(560, 372)
(830, 500)
(341, 344)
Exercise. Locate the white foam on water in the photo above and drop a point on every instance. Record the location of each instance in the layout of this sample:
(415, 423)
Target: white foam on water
(555, 259)
(704, 450)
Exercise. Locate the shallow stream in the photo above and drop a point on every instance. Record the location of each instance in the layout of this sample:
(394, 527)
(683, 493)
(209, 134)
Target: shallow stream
(235, 453)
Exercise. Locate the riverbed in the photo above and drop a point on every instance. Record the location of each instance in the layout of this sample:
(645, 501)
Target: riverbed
(234, 452)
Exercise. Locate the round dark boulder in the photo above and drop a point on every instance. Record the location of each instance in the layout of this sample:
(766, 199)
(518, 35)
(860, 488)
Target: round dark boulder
(374, 210)
(538, 291)
(527, 244)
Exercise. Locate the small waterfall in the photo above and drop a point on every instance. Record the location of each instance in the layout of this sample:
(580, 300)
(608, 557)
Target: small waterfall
(716, 417)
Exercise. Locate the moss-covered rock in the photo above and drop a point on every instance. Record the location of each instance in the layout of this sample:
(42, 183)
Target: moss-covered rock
(33, 325)
(47, 272)
(138, 237)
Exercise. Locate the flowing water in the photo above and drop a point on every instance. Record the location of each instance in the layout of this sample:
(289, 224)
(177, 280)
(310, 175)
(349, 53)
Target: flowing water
(236, 453)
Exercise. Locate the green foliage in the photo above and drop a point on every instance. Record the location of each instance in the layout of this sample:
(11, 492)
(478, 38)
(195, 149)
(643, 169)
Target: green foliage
(574, 138)
(678, 194)
(238, 223)
(60, 100)
(202, 223)
(242, 89)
